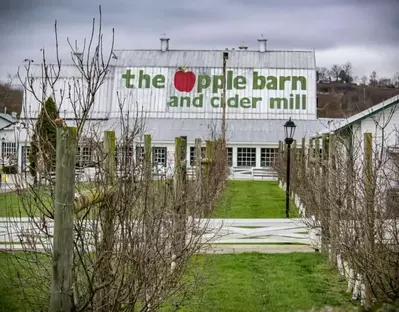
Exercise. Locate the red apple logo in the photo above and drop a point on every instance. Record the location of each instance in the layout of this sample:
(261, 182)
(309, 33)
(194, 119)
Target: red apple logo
(184, 80)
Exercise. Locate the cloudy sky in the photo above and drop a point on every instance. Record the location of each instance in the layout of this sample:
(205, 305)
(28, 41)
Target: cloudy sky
(365, 32)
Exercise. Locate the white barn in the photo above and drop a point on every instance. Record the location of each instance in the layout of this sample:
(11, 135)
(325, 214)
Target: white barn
(180, 91)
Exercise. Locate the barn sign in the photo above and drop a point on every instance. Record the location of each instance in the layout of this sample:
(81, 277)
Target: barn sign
(190, 89)
(256, 93)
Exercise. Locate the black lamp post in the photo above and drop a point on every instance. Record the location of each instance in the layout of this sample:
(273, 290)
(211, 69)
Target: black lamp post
(289, 128)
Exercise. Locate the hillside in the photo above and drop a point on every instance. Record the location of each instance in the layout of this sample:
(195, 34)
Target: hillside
(334, 100)
(11, 99)
(340, 100)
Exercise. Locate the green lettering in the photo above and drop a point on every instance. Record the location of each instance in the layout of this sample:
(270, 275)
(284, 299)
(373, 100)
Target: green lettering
(217, 83)
(213, 104)
(291, 101)
(283, 79)
(128, 76)
(240, 82)
(244, 102)
(204, 81)
(229, 80)
(233, 101)
(185, 101)
(158, 81)
(198, 101)
(278, 102)
(296, 79)
(256, 100)
(271, 83)
(259, 82)
(297, 101)
(174, 101)
(144, 77)
(303, 101)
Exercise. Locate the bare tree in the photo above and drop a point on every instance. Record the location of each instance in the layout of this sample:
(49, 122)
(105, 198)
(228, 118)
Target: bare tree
(347, 68)
(385, 83)
(334, 71)
(373, 79)
(364, 79)
(135, 227)
(322, 74)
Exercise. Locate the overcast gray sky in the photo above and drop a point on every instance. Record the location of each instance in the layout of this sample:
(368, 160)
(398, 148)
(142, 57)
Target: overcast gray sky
(365, 32)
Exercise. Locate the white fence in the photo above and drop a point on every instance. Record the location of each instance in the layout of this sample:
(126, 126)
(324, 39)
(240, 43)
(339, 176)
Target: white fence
(20, 233)
(266, 174)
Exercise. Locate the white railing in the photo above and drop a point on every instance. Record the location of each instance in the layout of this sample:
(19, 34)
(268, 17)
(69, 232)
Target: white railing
(254, 173)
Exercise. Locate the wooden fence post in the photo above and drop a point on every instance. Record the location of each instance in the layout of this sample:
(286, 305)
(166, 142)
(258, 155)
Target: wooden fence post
(61, 293)
(109, 148)
(310, 177)
(177, 167)
(294, 173)
(370, 215)
(180, 184)
(334, 221)
(278, 164)
(209, 152)
(303, 161)
(147, 158)
(324, 211)
(198, 159)
(317, 174)
(198, 169)
(108, 216)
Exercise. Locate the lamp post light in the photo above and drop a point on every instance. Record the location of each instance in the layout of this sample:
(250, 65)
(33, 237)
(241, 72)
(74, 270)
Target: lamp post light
(289, 128)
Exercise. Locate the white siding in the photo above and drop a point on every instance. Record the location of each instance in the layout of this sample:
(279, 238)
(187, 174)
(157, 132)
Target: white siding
(383, 126)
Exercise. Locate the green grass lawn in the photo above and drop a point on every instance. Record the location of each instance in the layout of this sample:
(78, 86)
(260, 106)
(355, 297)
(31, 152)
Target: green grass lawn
(14, 205)
(252, 199)
(267, 282)
(240, 282)
(240, 199)
(12, 297)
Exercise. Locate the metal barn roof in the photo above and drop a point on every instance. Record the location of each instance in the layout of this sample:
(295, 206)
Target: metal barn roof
(213, 58)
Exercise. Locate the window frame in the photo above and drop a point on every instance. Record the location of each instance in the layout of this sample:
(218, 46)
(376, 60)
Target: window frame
(192, 154)
(139, 154)
(245, 163)
(268, 157)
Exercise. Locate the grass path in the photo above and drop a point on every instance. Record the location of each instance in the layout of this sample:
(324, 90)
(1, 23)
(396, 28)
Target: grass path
(267, 282)
(253, 199)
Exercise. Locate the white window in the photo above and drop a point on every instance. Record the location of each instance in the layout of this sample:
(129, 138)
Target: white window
(192, 154)
(84, 155)
(158, 155)
(139, 154)
(25, 156)
(246, 157)
(8, 152)
(230, 156)
(268, 157)
(123, 154)
(27, 152)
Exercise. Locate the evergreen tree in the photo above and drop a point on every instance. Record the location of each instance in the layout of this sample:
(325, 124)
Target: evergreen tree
(44, 138)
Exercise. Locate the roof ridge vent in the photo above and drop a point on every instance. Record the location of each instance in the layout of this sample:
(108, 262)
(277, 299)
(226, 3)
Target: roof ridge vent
(164, 43)
(262, 43)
